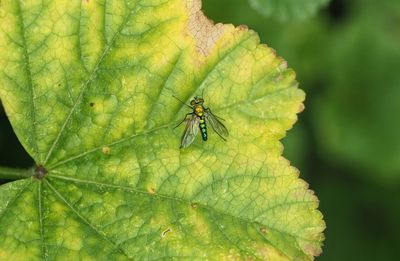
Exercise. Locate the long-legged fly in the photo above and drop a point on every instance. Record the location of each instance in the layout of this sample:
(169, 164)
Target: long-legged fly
(198, 120)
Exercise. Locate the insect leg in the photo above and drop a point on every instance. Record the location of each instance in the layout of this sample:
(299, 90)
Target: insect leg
(187, 114)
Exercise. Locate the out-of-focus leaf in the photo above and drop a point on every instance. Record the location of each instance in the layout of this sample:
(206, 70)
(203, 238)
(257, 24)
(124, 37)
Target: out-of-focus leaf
(355, 115)
(88, 88)
(284, 10)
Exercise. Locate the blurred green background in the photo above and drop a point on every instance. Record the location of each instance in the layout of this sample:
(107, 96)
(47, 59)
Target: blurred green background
(347, 141)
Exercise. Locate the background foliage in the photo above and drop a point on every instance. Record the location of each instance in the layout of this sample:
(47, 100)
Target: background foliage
(285, 10)
(346, 143)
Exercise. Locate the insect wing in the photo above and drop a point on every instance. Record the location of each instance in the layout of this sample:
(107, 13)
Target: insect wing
(191, 130)
(217, 126)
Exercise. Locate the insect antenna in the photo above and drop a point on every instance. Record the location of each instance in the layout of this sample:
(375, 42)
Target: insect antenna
(181, 101)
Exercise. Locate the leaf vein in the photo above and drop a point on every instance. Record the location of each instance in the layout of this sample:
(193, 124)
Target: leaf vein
(230, 240)
(80, 216)
(41, 225)
(28, 72)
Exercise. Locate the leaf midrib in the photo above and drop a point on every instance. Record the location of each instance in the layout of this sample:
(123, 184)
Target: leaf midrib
(85, 85)
(130, 189)
(186, 202)
(155, 129)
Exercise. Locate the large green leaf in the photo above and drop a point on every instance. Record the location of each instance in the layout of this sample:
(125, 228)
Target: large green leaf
(88, 88)
(284, 10)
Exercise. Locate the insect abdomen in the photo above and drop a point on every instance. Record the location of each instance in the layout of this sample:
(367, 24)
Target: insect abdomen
(203, 128)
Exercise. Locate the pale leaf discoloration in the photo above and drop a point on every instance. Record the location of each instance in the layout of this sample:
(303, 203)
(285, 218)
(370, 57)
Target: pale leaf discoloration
(205, 32)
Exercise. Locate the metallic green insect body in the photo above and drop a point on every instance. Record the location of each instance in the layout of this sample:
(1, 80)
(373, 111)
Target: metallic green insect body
(198, 119)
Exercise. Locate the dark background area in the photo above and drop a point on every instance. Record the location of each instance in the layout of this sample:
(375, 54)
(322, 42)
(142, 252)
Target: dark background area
(347, 141)
(12, 154)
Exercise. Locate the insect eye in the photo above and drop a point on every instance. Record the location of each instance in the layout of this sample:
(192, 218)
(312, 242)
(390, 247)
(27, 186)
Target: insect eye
(201, 100)
(192, 102)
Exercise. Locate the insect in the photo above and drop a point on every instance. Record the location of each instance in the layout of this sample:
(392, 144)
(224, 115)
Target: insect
(198, 120)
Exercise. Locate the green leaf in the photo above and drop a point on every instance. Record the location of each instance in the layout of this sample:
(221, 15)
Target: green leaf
(88, 88)
(285, 10)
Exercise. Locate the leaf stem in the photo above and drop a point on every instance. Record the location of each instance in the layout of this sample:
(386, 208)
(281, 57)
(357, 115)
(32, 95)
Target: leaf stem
(14, 174)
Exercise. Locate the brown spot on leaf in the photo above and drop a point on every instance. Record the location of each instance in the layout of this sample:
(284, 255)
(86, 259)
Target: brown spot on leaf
(106, 150)
(151, 190)
(194, 205)
(264, 230)
(243, 27)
